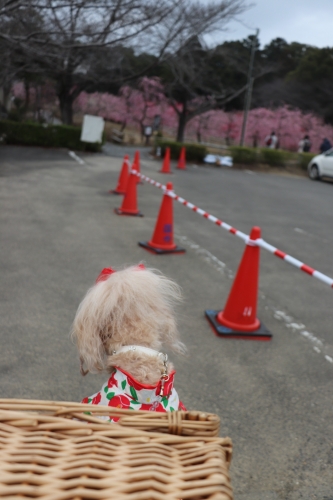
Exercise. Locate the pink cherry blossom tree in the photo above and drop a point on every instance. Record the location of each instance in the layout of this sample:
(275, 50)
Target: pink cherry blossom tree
(136, 108)
(290, 125)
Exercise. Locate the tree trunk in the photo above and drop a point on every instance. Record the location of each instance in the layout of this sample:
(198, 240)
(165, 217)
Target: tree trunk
(27, 96)
(66, 106)
(6, 100)
(37, 103)
(182, 121)
(142, 131)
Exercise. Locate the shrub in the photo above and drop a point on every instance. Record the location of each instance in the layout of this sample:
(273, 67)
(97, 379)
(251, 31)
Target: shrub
(275, 157)
(242, 154)
(54, 136)
(304, 160)
(194, 152)
(15, 115)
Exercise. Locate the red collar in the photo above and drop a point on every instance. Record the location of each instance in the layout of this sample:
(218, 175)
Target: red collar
(155, 388)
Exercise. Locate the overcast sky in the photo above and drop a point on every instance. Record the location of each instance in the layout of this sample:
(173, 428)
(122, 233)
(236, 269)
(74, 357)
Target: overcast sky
(304, 21)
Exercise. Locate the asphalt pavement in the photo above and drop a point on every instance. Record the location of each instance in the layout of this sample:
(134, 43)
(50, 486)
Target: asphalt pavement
(58, 230)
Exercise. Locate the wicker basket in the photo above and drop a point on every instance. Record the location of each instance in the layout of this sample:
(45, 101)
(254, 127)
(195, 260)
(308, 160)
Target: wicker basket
(192, 423)
(51, 450)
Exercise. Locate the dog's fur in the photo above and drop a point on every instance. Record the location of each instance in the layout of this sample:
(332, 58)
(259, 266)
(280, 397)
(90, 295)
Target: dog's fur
(132, 306)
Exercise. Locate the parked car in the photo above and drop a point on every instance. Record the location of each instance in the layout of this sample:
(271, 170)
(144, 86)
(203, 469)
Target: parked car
(321, 165)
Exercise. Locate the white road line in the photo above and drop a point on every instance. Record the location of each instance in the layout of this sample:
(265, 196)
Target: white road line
(281, 315)
(206, 256)
(318, 344)
(75, 157)
(290, 323)
(301, 231)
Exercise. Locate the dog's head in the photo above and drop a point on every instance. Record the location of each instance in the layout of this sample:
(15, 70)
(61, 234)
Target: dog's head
(131, 306)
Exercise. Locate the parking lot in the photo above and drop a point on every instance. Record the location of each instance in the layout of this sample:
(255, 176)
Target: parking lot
(58, 230)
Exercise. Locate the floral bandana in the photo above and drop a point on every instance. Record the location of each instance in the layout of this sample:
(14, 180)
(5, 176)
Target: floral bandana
(124, 391)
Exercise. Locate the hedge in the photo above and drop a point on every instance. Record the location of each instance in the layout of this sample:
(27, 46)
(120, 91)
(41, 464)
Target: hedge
(194, 152)
(274, 157)
(304, 160)
(53, 136)
(242, 154)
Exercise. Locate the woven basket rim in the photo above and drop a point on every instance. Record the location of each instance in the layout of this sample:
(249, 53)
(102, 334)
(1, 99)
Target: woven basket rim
(77, 416)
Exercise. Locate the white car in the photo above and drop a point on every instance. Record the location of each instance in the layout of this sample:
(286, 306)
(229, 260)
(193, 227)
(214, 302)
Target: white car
(321, 165)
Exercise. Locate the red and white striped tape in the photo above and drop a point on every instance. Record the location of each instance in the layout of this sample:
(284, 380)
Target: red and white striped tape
(295, 262)
(245, 237)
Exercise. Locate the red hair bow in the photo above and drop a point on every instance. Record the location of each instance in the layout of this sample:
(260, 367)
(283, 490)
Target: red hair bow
(104, 274)
(107, 271)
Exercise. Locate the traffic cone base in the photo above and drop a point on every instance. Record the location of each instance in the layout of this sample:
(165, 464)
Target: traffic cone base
(160, 251)
(113, 191)
(119, 211)
(260, 333)
(234, 326)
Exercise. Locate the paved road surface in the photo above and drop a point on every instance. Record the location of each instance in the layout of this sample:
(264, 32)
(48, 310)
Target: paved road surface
(58, 230)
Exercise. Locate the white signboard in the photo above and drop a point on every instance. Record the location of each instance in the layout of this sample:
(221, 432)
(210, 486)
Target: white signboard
(92, 129)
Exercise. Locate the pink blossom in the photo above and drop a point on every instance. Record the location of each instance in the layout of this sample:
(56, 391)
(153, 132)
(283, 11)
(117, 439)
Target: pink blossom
(136, 108)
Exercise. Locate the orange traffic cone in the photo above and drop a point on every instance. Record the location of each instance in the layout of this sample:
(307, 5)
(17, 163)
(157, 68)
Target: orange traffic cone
(238, 319)
(182, 162)
(136, 165)
(129, 205)
(162, 239)
(166, 163)
(123, 178)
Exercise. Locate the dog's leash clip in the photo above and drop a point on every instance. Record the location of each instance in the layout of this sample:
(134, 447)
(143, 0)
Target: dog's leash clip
(165, 376)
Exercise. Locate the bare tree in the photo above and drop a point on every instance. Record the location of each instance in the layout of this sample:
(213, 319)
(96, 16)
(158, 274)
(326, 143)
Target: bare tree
(196, 83)
(72, 37)
(199, 79)
(9, 6)
(14, 61)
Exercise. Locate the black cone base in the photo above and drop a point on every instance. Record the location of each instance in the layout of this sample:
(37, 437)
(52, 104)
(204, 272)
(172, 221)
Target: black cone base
(120, 212)
(223, 331)
(160, 251)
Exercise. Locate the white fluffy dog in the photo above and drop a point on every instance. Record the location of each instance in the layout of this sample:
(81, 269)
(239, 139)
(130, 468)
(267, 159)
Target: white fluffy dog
(120, 326)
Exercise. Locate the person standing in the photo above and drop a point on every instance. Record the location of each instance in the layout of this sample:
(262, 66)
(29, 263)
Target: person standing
(325, 145)
(304, 145)
(272, 141)
(148, 132)
(307, 144)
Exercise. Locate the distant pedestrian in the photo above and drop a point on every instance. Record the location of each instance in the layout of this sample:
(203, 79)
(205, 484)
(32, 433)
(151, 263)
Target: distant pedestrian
(325, 145)
(271, 141)
(304, 145)
(148, 133)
